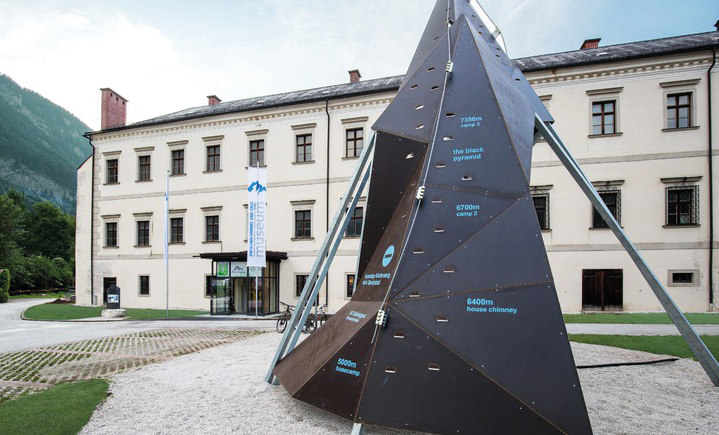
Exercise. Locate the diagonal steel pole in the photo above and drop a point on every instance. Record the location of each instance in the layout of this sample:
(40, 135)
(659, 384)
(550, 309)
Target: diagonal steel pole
(700, 350)
(325, 255)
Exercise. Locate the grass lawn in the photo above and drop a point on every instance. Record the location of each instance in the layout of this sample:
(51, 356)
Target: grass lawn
(644, 318)
(62, 409)
(659, 344)
(70, 312)
(39, 295)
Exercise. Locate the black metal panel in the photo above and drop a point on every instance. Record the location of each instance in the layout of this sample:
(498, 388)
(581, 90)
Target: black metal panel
(517, 112)
(474, 340)
(337, 386)
(472, 139)
(464, 9)
(301, 365)
(446, 220)
(433, 33)
(490, 329)
(417, 383)
(394, 163)
(506, 253)
(373, 283)
(413, 111)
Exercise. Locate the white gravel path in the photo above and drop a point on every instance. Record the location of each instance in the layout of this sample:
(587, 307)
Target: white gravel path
(222, 390)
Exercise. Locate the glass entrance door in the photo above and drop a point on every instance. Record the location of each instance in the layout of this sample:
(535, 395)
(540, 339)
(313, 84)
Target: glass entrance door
(255, 296)
(221, 296)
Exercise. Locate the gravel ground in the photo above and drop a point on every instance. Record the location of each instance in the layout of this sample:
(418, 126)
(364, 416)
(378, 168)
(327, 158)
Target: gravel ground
(222, 390)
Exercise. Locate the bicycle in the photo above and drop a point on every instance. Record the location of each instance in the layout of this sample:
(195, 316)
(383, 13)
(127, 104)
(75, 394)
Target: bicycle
(310, 324)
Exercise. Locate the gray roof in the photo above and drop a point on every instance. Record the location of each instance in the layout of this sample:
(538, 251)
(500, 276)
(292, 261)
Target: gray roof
(285, 99)
(609, 53)
(612, 53)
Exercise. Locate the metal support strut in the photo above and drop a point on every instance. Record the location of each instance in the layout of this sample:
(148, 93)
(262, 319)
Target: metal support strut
(706, 359)
(326, 254)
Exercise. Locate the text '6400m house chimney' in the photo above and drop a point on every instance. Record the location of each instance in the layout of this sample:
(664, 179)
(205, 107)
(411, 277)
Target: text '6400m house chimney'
(114, 109)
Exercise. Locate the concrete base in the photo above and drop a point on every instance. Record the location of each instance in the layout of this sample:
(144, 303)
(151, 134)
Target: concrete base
(109, 314)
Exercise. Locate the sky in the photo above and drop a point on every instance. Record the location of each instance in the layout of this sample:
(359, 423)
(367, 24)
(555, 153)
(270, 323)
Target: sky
(164, 56)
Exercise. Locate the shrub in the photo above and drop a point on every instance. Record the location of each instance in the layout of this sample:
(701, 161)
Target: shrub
(4, 286)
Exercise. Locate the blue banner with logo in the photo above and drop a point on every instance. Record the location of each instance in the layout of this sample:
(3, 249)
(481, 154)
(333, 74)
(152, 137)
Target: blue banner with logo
(256, 216)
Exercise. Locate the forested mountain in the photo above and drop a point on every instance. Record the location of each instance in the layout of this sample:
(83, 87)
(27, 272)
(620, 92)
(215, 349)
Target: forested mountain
(41, 146)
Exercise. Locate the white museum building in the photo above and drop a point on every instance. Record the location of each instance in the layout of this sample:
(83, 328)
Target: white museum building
(638, 118)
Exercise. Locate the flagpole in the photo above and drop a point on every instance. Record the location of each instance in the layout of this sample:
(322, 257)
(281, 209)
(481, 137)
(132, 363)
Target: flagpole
(167, 255)
(256, 280)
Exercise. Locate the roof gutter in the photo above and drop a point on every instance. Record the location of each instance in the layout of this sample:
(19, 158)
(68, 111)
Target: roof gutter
(327, 197)
(711, 183)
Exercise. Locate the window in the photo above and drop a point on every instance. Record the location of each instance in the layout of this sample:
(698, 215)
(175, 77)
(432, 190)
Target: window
(143, 233)
(350, 285)
(354, 228)
(213, 158)
(111, 234)
(257, 152)
(112, 171)
(354, 142)
(541, 206)
(679, 110)
(682, 205)
(208, 286)
(303, 224)
(176, 230)
(144, 170)
(683, 278)
(603, 119)
(178, 162)
(144, 285)
(612, 199)
(300, 281)
(304, 147)
(212, 228)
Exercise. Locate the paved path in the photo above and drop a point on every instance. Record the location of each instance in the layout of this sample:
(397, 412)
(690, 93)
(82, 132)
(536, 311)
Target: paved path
(633, 329)
(17, 334)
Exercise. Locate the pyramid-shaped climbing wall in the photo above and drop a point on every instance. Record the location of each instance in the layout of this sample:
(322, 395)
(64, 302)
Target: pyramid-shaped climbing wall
(475, 340)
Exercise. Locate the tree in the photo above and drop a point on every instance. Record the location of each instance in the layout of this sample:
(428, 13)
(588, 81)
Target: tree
(11, 231)
(4, 286)
(51, 233)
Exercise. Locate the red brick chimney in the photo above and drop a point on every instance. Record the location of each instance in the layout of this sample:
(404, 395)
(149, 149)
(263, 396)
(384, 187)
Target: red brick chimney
(590, 43)
(213, 99)
(355, 76)
(114, 109)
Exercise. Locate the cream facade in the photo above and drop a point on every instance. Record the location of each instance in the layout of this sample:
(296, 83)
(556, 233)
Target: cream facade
(638, 160)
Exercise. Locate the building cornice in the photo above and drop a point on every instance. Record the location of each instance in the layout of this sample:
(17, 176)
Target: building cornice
(619, 69)
(248, 117)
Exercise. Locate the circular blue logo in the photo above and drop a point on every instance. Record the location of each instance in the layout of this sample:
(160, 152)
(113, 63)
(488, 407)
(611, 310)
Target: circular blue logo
(388, 254)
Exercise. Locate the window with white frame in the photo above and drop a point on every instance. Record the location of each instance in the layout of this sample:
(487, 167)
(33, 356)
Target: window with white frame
(302, 219)
(354, 136)
(213, 152)
(679, 104)
(604, 111)
(211, 222)
(257, 147)
(681, 197)
(144, 285)
(540, 198)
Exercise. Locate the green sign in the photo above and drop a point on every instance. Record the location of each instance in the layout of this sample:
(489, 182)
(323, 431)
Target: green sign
(223, 269)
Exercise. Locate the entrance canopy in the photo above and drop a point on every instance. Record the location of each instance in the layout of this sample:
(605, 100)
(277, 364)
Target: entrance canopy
(235, 288)
(241, 256)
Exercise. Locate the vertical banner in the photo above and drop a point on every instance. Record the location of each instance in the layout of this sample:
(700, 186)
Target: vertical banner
(256, 216)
